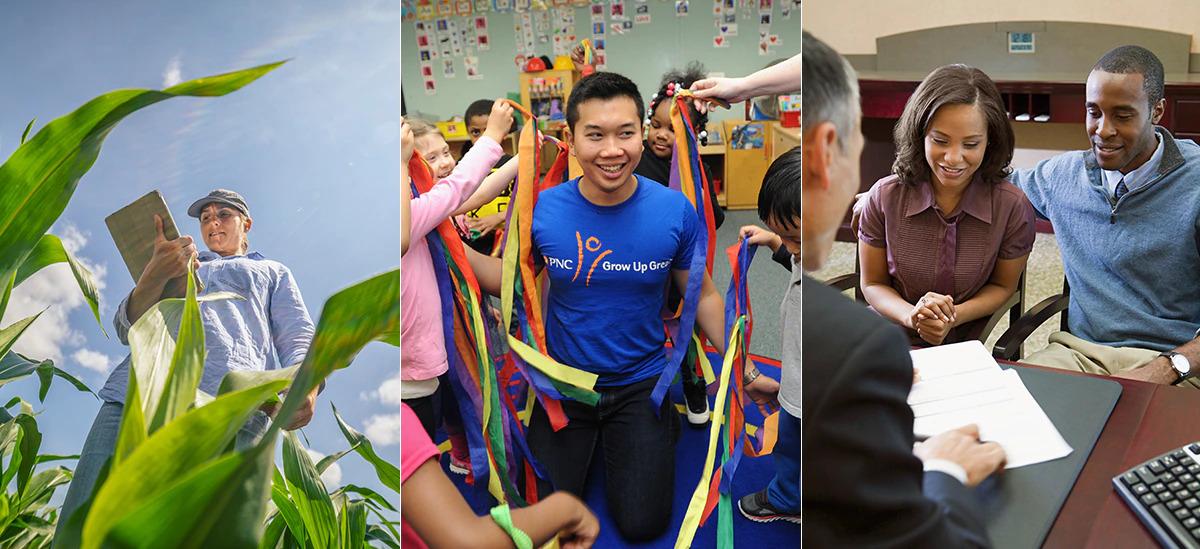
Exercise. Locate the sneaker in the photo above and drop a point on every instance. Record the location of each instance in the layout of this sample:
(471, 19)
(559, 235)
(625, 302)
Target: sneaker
(757, 507)
(460, 464)
(696, 398)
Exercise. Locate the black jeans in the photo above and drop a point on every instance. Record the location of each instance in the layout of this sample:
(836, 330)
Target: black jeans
(638, 448)
(437, 408)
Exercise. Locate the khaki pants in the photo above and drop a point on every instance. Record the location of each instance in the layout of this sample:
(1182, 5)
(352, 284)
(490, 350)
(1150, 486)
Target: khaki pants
(1067, 352)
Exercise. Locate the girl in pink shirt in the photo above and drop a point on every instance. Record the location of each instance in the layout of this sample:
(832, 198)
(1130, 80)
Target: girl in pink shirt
(423, 365)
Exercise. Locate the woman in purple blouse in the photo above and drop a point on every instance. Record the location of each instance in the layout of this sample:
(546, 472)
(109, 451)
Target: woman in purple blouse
(944, 239)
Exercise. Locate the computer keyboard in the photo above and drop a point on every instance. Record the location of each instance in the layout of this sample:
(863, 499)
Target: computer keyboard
(1164, 493)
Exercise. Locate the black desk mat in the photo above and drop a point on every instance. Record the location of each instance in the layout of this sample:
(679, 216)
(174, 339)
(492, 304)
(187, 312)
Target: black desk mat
(1021, 505)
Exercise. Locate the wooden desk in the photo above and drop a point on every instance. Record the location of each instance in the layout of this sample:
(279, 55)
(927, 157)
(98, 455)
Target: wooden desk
(1148, 420)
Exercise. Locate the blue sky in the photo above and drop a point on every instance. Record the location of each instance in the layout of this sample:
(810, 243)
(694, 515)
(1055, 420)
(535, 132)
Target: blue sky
(312, 146)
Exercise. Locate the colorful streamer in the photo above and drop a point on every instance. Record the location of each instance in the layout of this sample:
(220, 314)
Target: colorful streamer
(729, 420)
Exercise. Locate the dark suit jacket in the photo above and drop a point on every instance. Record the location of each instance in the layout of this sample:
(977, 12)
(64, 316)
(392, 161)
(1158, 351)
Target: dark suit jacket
(862, 486)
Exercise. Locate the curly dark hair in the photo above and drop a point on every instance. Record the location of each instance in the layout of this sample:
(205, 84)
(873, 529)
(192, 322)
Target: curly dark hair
(953, 85)
(682, 79)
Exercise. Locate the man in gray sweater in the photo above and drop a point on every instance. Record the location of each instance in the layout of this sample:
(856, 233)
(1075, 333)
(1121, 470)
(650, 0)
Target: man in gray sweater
(1126, 214)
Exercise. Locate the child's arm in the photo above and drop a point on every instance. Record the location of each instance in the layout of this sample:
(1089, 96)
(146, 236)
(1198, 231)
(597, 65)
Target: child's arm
(492, 186)
(431, 504)
(431, 208)
(406, 150)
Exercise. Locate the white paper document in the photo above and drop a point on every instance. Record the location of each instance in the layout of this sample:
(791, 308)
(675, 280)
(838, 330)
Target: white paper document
(961, 384)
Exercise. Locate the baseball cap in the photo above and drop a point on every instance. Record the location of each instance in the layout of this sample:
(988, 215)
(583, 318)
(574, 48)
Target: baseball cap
(221, 196)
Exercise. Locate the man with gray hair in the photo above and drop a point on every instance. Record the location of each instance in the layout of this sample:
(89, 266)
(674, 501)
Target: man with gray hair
(862, 485)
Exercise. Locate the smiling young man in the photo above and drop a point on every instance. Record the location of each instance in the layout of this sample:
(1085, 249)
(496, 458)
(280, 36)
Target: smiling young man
(1126, 215)
(610, 241)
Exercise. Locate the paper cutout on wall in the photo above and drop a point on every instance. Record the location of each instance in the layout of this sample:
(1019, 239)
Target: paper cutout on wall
(471, 66)
(681, 8)
(448, 68)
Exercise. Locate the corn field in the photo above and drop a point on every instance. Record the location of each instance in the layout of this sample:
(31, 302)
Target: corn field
(176, 479)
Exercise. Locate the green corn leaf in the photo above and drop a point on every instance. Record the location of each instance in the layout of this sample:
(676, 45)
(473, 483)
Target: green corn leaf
(47, 458)
(47, 371)
(132, 432)
(49, 250)
(26, 452)
(287, 509)
(309, 493)
(170, 518)
(349, 320)
(6, 293)
(388, 473)
(38, 180)
(28, 127)
(368, 493)
(152, 346)
(9, 335)
(14, 366)
(276, 529)
(187, 362)
(237, 380)
(375, 533)
(171, 453)
(41, 487)
(331, 459)
(353, 525)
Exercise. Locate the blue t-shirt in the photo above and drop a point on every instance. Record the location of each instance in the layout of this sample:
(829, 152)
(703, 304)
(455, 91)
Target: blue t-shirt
(608, 268)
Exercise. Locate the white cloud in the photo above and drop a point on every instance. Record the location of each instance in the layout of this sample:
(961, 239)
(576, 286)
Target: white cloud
(332, 477)
(54, 290)
(93, 360)
(387, 393)
(173, 74)
(383, 429)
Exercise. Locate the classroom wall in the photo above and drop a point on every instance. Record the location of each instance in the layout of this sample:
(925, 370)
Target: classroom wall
(643, 54)
(841, 25)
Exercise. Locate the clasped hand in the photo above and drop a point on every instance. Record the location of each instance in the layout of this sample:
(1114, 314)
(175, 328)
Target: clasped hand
(932, 317)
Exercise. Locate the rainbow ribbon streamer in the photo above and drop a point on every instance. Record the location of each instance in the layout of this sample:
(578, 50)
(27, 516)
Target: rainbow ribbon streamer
(489, 421)
(521, 289)
(729, 420)
(688, 177)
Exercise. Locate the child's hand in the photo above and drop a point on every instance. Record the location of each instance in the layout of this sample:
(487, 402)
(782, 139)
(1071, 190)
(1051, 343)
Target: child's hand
(577, 54)
(406, 142)
(499, 121)
(761, 237)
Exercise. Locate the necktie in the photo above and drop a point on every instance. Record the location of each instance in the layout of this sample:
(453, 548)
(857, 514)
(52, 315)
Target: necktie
(1121, 189)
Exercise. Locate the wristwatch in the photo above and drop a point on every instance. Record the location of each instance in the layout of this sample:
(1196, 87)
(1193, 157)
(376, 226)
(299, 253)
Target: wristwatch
(750, 375)
(1180, 364)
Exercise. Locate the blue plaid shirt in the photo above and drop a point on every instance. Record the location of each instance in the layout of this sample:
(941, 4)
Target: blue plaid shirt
(269, 327)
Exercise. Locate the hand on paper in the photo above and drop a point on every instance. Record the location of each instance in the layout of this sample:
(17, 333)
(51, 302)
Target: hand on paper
(764, 391)
(962, 446)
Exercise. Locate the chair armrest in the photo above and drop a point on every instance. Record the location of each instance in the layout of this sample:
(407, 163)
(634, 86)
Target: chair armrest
(843, 282)
(1009, 345)
(1000, 313)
